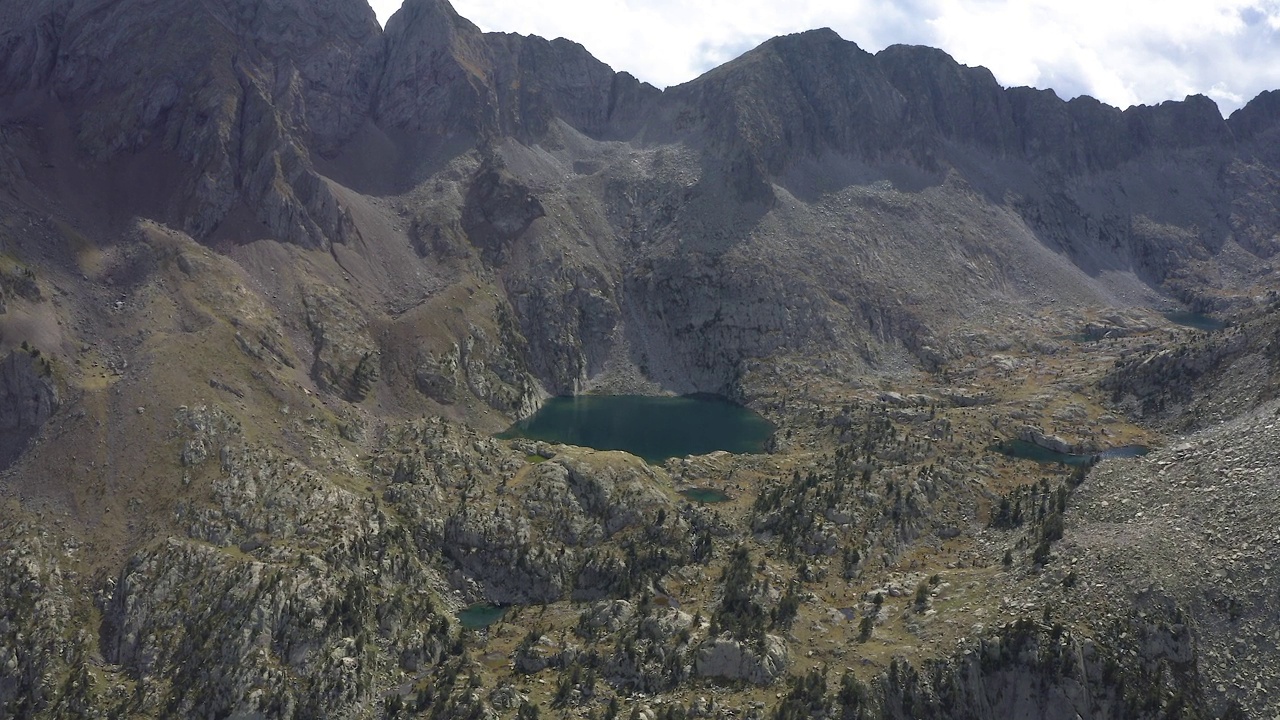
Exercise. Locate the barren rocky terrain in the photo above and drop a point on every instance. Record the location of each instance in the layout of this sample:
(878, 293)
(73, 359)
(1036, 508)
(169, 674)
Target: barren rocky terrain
(272, 278)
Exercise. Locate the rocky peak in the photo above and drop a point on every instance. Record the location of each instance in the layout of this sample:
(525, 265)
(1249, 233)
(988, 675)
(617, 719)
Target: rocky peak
(437, 75)
(1193, 122)
(793, 97)
(954, 101)
(1257, 117)
(968, 105)
(539, 80)
(802, 92)
(443, 76)
(814, 92)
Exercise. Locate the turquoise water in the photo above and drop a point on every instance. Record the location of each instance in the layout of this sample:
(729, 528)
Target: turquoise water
(653, 428)
(1124, 451)
(706, 495)
(1030, 451)
(480, 616)
(1199, 321)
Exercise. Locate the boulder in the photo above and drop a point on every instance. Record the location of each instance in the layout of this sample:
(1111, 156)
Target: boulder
(606, 616)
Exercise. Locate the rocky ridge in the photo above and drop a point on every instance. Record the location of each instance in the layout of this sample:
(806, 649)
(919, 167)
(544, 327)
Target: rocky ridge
(432, 91)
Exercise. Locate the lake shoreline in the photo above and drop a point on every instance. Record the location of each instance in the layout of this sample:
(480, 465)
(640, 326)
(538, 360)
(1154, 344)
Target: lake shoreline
(654, 428)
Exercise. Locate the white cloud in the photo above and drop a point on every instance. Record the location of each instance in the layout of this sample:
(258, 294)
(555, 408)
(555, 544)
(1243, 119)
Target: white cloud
(1136, 51)
(1120, 51)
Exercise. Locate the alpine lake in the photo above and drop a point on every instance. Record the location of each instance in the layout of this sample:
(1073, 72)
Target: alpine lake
(480, 616)
(1030, 451)
(1198, 321)
(652, 428)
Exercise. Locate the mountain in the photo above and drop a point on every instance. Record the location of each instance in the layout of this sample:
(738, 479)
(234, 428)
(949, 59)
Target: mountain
(271, 276)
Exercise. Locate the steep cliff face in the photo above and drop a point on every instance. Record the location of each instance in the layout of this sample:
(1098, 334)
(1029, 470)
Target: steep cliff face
(234, 91)
(28, 396)
(793, 96)
(950, 100)
(444, 76)
(437, 76)
(31, 39)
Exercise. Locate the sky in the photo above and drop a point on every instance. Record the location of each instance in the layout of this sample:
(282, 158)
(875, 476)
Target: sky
(1123, 52)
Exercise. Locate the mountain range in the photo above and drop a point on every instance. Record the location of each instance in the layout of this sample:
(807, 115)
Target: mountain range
(271, 276)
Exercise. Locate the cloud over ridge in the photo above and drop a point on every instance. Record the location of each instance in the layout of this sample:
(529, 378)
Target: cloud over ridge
(1122, 53)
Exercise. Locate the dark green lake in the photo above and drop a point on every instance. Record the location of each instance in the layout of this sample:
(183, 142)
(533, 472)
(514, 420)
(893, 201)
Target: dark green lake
(706, 495)
(1199, 321)
(653, 428)
(480, 616)
(1030, 451)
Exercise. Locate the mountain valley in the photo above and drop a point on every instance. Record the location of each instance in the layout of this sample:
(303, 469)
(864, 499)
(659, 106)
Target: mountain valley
(274, 278)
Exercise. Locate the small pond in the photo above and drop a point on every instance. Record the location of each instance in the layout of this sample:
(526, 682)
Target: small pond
(706, 495)
(480, 615)
(1199, 321)
(653, 428)
(1030, 451)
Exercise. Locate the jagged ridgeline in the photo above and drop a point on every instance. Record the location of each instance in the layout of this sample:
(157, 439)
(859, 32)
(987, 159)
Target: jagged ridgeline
(273, 278)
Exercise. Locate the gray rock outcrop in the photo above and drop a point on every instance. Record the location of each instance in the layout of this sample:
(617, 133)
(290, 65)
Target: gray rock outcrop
(1037, 436)
(731, 659)
(1027, 670)
(28, 397)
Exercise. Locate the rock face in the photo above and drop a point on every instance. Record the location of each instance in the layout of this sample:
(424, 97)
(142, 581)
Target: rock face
(483, 367)
(1037, 436)
(665, 257)
(235, 91)
(302, 629)
(444, 77)
(1206, 378)
(581, 527)
(498, 211)
(731, 659)
(1025, 670)
(346, 359)
(32, 647)
(28, 396)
